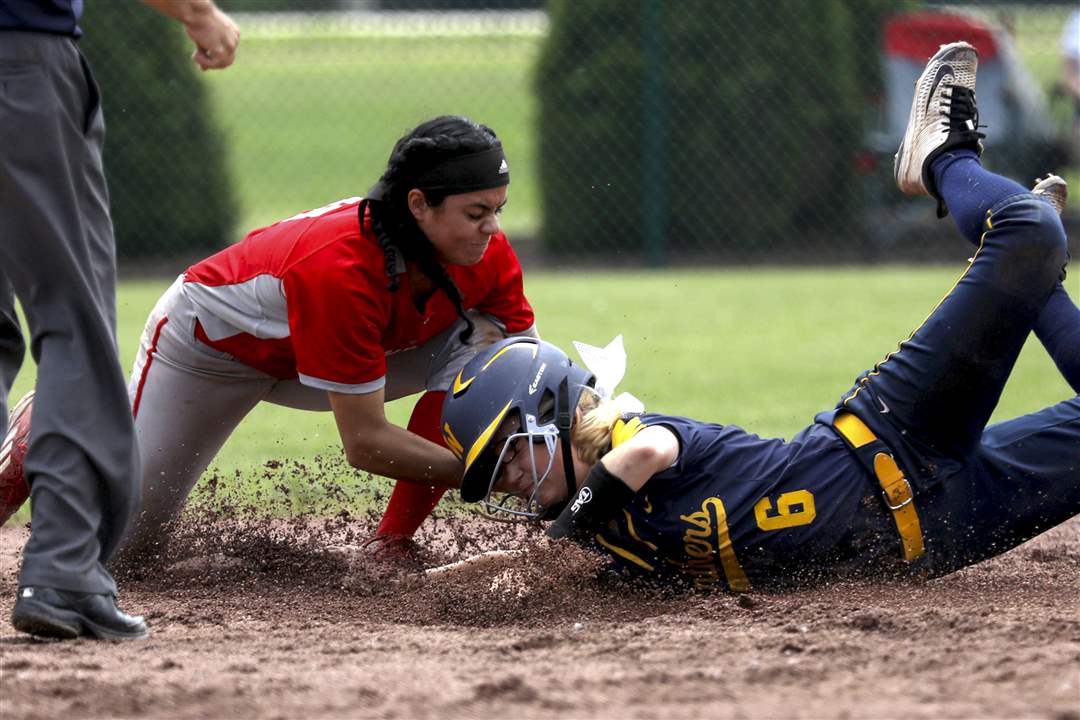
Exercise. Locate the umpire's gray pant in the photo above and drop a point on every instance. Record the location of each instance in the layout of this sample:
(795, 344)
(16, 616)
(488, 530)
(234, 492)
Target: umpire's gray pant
(57, 252)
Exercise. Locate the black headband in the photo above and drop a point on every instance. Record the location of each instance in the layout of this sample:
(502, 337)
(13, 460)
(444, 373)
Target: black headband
(465, 173)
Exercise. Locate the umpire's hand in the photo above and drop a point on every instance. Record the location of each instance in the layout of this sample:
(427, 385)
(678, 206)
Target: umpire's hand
(214, 33)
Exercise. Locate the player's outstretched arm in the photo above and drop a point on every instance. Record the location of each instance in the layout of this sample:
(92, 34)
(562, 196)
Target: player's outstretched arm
(214, 33)
(612, 482)
(635, 461)
(374, 444)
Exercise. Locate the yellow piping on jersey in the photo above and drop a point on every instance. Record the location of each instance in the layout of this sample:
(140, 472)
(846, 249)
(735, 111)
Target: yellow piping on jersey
(625, 554)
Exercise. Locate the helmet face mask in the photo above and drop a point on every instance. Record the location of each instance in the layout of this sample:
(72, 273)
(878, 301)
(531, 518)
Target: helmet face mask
(511, 507)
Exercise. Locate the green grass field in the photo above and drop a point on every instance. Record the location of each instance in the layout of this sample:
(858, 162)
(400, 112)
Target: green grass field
(763, 349)
(312, 119)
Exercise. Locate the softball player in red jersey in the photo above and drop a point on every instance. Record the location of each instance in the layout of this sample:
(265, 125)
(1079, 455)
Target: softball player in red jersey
(341, 308)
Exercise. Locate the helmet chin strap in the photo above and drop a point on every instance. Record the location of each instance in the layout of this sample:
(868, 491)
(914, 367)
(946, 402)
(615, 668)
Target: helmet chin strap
(563, 420)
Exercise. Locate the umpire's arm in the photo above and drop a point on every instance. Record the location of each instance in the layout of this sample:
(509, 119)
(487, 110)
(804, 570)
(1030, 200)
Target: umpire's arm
(214, 33)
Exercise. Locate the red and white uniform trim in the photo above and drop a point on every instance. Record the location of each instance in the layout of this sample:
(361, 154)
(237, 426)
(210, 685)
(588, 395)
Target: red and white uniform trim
(307, 297)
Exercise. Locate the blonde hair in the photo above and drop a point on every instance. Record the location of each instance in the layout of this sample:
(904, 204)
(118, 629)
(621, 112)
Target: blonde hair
(591, 433)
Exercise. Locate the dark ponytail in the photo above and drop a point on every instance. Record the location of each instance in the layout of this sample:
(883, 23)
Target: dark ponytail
(429, 144)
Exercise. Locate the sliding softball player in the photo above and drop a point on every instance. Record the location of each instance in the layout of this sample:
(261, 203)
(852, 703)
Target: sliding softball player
(903, 476)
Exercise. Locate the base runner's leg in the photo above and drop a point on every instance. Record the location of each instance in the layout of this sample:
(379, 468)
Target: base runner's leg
(412, 502)
(1022, 481)
(938, 390)
(1058, 328)
(972, 191)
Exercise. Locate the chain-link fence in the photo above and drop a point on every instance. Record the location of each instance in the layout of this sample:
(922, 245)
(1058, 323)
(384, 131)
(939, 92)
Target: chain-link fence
(638, 131)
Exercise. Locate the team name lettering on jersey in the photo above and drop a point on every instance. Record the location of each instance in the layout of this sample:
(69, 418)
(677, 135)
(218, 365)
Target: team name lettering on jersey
(706, 538)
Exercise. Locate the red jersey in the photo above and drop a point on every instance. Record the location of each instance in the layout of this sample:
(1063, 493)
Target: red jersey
(308, 297)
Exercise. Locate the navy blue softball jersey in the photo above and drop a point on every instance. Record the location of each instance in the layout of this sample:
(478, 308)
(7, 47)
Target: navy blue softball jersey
(737, 509)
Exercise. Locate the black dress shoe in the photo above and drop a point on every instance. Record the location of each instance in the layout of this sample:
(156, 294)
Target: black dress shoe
(65, 614)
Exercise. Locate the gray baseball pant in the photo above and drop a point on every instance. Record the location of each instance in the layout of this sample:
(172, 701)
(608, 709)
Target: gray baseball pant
(58, 253)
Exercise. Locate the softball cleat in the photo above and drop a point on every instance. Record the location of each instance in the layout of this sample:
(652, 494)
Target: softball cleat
(1054, 189)
(943, 117)
(13, 487)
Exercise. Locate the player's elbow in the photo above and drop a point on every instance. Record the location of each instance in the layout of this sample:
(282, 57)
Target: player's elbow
(646, 456)
(363, 452)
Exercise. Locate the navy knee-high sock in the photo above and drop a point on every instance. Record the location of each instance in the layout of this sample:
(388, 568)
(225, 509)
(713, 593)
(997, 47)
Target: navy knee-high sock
(969, 191)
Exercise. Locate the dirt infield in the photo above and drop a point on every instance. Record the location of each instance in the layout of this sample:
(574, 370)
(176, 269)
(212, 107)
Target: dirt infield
(267, 622)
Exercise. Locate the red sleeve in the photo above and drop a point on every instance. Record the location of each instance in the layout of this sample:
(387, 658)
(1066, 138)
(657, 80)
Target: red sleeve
(506, 299)
(337, 314)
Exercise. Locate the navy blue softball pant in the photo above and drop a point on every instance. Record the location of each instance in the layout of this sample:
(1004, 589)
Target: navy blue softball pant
(981, 490)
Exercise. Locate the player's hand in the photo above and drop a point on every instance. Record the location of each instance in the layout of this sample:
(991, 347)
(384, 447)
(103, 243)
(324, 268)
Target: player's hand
(399, 551)
(215, 36)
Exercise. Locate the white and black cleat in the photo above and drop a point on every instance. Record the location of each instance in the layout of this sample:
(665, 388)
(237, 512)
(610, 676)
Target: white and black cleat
(1054, 189)
(943, 117)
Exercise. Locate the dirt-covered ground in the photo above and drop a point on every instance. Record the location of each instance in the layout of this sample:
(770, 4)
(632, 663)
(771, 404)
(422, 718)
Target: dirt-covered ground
(288, 619)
